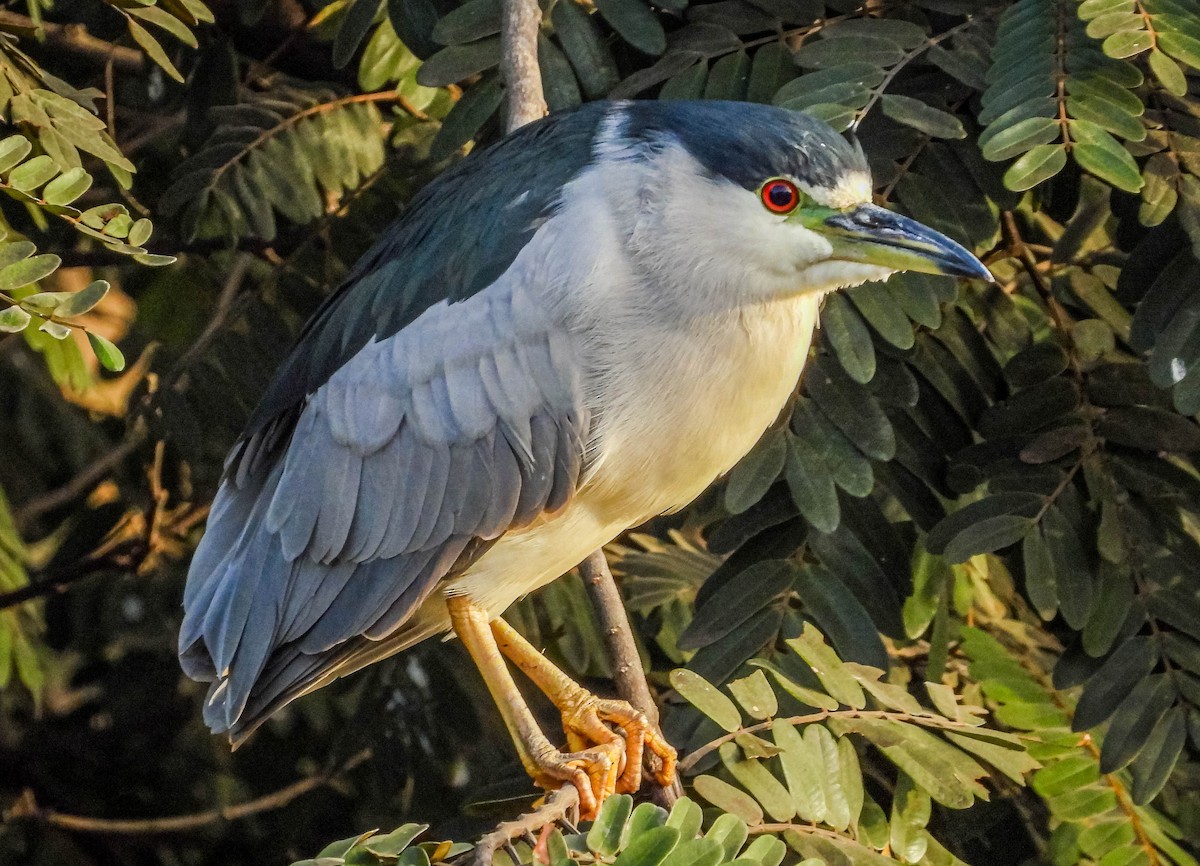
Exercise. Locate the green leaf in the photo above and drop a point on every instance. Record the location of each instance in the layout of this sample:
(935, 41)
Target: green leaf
(771, 70)
(1020, 505)
(1068, 774)
(807, 696)
(1158, 756)
(1134, 720)
(473, 20)
(730, 607)
(692, 852)
(1101, 154)
(749, 480)
(848, 335)
(466, 118)
(705, 697)
(604, 837)
(1020, 137)
(153, 49)
(756, 696)
(67, 187)
(921, 116)
(1128, 665)
(753, 775)
(1040, 584)
(139, 232)
(28, 271)
(391, 844)
(13, 149)
(1139, 427)
(911, 809)
(851, 408)
(457, 62)
(1127, 43)
(728, 77)
(1181, 46)
(687, 817)
(824, 53)
(581, 42)
(837, 804)
(766, 851)
(84, 300)
(13, 319)
(1040, 163)
(636, 23)
(107, 353)
(30, 175)
(802, 769)
(840, 615)
(829, 669)
(947, 773)
(731, 832)
(811, 485)
(1168, 73)
(731, 801)
(649, 848)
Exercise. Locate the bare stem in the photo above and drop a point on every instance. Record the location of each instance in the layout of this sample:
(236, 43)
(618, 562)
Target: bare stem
(560, 805)
(75, 39)
(27, 809)
(519, 62)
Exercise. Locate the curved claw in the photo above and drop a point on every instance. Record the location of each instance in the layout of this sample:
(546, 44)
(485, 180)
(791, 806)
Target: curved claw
(585, 722)
(593, 772)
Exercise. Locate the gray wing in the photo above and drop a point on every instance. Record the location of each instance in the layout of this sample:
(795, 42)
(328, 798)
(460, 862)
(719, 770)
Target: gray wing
(417, 452)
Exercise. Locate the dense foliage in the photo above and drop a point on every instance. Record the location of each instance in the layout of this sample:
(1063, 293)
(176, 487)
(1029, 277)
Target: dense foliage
(985, 496)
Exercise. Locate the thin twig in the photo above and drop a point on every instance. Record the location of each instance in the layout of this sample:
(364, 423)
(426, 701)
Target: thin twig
(84, 481)
(70, 574)
(75, 39)
(229, 291)
(27, 809)
(559, 806)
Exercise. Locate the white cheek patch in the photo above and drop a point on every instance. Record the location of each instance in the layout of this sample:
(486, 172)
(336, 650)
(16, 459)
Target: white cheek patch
(852, 188)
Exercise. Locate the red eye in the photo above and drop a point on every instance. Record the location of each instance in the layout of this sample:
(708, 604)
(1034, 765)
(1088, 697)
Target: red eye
(780, 196)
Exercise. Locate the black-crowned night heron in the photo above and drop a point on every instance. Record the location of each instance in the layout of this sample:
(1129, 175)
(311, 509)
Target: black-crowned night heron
(566, 334)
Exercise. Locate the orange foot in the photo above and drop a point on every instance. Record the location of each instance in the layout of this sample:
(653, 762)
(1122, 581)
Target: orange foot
(587, 719)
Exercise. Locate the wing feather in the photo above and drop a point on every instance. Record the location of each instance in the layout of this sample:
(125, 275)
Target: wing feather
(407, 462)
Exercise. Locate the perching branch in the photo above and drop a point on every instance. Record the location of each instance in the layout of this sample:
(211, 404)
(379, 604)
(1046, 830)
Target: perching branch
(519, 62)
(618, 637)
(526, 103)
(561, 806)
(26, 808)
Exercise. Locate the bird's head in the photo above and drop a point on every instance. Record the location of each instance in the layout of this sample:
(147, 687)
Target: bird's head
(774, 199)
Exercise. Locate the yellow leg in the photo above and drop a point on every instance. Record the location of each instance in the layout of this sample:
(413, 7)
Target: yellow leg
(593, 771)
(584, 715)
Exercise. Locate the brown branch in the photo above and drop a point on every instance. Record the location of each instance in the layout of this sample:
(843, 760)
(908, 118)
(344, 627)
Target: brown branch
(229, 291)
(519, 62)
(75, 39)
(618, 637)
(27, 809)
(561, 805)
(121, 557)
(622, 651)
(82, 483)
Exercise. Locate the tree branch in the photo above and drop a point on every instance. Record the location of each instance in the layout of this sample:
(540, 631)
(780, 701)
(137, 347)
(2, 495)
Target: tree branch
(519, 62)
(81, 483)
(559, 806)
(75, 39)
(27, 809)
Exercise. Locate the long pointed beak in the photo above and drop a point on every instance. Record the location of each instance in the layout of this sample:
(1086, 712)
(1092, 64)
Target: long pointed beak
(876, 236)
